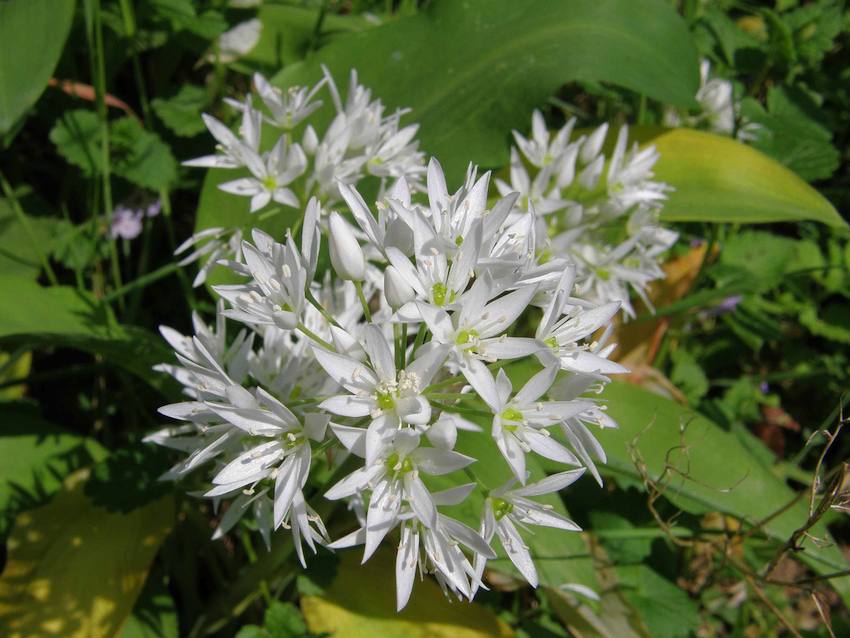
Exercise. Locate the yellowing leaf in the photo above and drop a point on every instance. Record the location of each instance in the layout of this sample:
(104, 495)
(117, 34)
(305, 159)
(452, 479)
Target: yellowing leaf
(75, 569)
(361, 603)
(718, 179)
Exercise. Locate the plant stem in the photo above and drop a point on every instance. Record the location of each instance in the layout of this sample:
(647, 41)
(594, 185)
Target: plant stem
(316, 337)
(22, 218)
(143, 281)
(359, 286)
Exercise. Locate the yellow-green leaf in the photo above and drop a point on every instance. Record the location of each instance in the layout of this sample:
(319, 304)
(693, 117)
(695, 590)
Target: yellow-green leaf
(360, 603)
(75, 569)
(718, 179)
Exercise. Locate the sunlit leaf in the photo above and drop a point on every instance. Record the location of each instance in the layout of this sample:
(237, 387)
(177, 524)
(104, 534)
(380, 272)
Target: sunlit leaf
(75, 569)
(32, 36)
(348, 608)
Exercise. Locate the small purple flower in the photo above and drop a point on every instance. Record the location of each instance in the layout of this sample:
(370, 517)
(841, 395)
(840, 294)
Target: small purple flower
(153, 209)
(727, 305)
(764, 387)
(126, 223)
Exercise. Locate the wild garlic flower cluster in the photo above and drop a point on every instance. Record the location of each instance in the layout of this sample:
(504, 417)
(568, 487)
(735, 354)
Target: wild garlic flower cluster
(598, 211)
(370, 362)
(361, 141)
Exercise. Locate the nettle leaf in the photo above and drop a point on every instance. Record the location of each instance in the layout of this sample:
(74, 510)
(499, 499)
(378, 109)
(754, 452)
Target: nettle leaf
(37, 455)
(182, 111)
(136, 154)
(141, 156)
(63, 316)
(76, 568)
(32, 36)
(349, 609)
(792, 134)
(758, 255)
(77, 138)
(718, 179)
(717, 472)
(473, 71)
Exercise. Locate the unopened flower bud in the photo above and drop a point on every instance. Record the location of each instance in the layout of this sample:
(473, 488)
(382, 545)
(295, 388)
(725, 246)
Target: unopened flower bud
(346, 254)
(397, 291)
(593, 145)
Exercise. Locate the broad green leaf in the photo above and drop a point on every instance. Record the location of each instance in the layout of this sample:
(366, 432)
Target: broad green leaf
(722, 474)
(18, 250)
(32, 36)
(288, 33)
(36, 455)
(155, 614)
(75, 569)
(667, 611)
(350, 609)
(63, 316)
(472, 71)
(718, 179)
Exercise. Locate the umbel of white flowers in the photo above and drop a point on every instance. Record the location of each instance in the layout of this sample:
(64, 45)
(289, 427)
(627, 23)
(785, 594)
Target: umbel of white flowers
(387, 369)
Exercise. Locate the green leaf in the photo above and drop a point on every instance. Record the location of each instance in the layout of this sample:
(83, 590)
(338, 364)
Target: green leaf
(18, 255)
(63, 316)
(36, 455)
(136, 154)
(288, 33)
(688, 376)
(75, 569)
(77, 138)
(791, 132)
(472, 71)
(720, 180)
(32, 36)
(284, 620)
(141, 156)
(721, 474)
(353, 610)
(182, 111)
(666, 610)
(830, 321)
(154, 614)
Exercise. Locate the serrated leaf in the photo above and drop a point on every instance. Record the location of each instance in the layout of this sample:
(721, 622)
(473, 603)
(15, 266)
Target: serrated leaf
(77, 137)
(182, 111)
(140, 156)
(136, 154)
(718, 179)
(75, 569)
(352, 610)
(790, 132)
(32, 36)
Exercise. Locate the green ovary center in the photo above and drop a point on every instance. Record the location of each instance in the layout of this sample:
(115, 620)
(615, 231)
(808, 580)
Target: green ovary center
(552, 342)
(501, 508)
(512, 414)
(603, 274)
(439, 292)
(385, 401)
(397, 465)
(465, 336)
(269, 183)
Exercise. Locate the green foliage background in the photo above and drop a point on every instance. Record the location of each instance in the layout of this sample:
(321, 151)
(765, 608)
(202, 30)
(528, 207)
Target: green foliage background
(722, 455)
